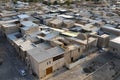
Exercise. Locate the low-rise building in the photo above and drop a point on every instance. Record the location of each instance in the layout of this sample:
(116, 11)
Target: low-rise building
(46, 60)
(68, 23)
(114, 46)
(103, 41)
(23, 17)
(29, 27)
(111, 29)
(56, 23)
(8, 28)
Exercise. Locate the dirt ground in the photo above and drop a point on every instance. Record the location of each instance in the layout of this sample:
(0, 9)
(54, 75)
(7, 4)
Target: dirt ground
(8, 70)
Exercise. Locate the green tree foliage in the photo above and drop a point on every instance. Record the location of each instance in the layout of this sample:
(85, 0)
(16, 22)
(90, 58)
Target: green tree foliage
(31, 0)
(68, 2)
(55, 3)
(95, 1)
(14, 1)
(47, 3)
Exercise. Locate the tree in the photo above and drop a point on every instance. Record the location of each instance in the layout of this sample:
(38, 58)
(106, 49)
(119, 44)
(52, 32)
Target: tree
(95, 1)
(14, 1)
(47, 3)
(55, 3)
(68, 2)
(41, 0)
(35, 0)
(31, 0)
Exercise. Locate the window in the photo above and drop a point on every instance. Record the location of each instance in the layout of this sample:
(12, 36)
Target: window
(48, 62)
(72, 59)
(25, 53)
(78, 49)
(113, 49)
(57, 57)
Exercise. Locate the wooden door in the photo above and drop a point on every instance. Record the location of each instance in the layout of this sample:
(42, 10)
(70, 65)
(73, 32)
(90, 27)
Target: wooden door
(49, 70)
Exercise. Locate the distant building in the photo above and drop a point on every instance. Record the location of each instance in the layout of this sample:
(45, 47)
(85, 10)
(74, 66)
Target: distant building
(8, 28)
(28, 27)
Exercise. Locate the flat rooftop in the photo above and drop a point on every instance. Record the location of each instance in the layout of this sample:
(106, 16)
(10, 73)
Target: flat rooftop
(116, 40)
(9, 25)
(22, 16)
(40, 54)
(28, 24)
(12, 36)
